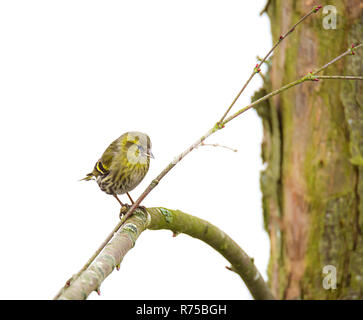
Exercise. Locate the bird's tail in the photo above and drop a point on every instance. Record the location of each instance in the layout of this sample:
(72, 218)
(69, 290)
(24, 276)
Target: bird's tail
(89, 176)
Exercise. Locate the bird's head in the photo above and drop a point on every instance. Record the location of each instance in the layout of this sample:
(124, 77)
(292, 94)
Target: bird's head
(138, 147)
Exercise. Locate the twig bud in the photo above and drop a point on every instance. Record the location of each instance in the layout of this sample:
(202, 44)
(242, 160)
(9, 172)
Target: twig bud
(352, 49)
(317, 8)
(219, 125)
(231, 268)
(311, 76)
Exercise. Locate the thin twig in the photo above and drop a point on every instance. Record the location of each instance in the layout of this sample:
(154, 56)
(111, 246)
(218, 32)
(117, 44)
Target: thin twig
(311, 76)
(339, 77)
(349, 51)
(218, 146)
(258, 66)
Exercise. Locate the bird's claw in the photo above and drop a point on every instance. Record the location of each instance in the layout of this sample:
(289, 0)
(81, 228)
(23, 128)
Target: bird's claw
(124, 210)
(142, 208)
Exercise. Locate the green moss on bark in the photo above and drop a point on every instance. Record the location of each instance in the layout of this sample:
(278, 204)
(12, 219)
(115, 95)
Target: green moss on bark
(313, 145)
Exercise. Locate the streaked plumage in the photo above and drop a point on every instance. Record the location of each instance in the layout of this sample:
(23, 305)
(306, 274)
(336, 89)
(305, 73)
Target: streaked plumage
(123, 165)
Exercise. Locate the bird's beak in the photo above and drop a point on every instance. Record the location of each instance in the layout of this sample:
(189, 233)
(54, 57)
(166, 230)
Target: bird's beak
(150, 155)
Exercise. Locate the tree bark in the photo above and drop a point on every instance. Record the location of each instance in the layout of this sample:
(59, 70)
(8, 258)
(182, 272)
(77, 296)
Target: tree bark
(313, 147)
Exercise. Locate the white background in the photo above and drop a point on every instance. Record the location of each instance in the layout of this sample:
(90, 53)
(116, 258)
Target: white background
(74, 76)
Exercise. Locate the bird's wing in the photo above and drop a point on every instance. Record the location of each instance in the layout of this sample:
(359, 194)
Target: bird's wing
(105, 162)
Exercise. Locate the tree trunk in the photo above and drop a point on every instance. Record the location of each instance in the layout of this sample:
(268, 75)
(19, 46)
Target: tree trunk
(313, 146)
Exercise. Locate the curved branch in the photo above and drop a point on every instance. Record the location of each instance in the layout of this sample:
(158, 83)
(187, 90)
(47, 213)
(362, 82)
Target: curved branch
(241, 263)
(178, 222)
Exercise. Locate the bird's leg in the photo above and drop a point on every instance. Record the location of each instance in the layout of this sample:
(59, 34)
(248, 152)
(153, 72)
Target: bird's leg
(132, 201)
(119, 201)
(124, 207)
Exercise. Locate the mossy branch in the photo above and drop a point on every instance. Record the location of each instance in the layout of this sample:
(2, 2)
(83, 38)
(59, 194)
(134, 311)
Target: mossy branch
(78, 288)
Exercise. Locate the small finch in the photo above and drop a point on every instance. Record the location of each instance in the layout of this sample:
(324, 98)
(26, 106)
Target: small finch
(123, 165)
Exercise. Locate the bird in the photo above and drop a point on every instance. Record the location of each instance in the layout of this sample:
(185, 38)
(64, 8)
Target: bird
(123, 165)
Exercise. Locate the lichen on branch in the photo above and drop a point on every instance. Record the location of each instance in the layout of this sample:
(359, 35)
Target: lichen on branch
(124, 239)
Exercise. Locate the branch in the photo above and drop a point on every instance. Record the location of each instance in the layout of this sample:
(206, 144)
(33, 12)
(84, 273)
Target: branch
(217, 145)
(155, 219)
(258, 66)
(311, 76)
(339, 77)
(265, 7)
(241, 263)
(350, 51)
(84, 282)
